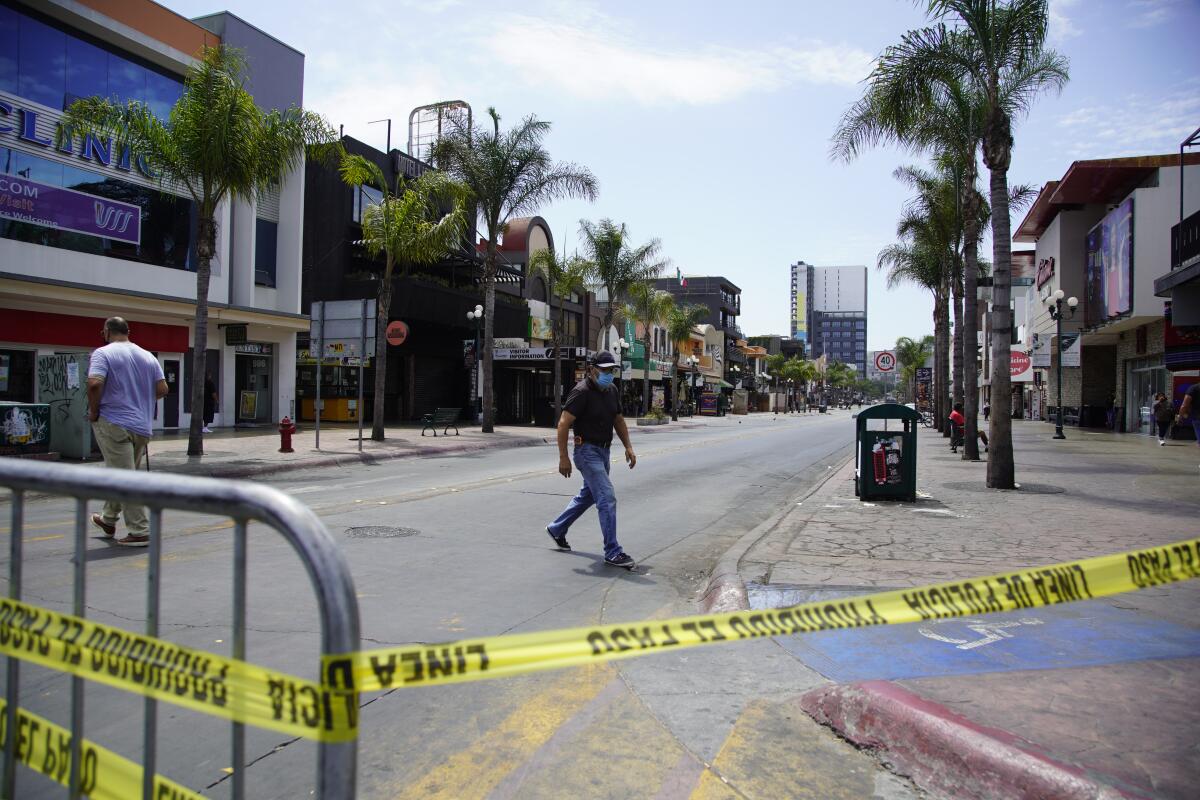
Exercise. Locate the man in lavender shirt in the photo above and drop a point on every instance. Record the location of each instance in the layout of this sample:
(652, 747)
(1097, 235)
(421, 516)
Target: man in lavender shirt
(124, 385)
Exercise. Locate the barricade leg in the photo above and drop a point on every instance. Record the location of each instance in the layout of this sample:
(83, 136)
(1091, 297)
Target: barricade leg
(13, 672)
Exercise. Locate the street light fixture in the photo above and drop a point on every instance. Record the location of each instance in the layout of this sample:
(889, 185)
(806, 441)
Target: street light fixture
(1054, 304)
(476, 316)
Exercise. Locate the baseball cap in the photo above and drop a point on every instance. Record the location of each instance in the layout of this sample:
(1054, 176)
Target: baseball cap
(604, 359)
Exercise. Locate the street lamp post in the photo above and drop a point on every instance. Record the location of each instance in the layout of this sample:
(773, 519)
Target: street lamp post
(1054, 304)
(476, 316)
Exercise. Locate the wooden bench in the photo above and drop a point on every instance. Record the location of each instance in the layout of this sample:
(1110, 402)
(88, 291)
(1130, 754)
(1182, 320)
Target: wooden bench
(444, 418)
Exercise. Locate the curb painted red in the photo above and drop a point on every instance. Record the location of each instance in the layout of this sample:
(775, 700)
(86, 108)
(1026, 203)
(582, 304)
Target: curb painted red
(946, 753)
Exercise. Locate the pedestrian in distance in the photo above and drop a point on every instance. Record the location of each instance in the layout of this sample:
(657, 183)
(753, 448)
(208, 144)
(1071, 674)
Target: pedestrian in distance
(593, 411)
(124, 385)
(1164, 416)
(1190, 409)
(210, 402)
(987, 411)
(960, 422)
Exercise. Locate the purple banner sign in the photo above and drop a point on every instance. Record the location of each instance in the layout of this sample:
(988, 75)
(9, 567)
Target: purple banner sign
(68, 210)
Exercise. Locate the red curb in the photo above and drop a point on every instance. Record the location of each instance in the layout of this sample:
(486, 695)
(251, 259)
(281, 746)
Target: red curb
(945, 752)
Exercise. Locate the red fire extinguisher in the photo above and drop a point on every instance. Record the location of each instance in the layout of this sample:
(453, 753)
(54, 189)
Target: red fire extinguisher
(879, 462)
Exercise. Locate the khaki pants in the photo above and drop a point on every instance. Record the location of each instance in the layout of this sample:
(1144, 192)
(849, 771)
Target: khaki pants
(122, 449)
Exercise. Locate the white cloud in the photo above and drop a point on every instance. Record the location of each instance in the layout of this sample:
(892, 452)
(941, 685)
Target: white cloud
(1134, 125)
(1061, 26)
(1148, 13)
(597, 62)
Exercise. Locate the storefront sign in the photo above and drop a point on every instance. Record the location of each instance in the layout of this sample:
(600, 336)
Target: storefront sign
(235, 335)
(708, 404)
(305, 358)
(66, 209)
(1072, 346)
(540, 328)
(397, 332)
(42, 129)
(255, 348)
(522, 353)
(1045, 271)
(1020, 366)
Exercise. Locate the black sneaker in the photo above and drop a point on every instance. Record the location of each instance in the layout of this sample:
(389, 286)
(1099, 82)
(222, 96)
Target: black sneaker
(561, 541)
(622, 560)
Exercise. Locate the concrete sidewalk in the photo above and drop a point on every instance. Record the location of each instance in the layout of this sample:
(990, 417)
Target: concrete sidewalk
(251, 452)
(1089, 700)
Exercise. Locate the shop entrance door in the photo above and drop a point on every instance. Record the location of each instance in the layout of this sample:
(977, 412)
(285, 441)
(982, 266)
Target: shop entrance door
(253, 387)
(171, 401)
(1144, 378)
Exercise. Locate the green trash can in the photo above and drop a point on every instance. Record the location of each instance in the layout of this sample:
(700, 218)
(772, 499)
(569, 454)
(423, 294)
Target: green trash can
(885, 452)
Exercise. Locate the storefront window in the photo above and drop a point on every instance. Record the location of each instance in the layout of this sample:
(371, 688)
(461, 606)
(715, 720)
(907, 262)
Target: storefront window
(16, 375)
(54, 66)
(168, 222)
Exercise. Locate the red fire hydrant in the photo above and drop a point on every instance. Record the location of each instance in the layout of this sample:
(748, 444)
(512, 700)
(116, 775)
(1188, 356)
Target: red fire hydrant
(286, 429)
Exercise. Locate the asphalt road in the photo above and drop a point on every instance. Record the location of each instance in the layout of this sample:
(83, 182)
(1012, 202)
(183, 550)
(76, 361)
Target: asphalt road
(452, 547)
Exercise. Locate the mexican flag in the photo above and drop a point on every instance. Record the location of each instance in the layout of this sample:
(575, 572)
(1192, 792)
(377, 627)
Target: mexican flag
(679, 275)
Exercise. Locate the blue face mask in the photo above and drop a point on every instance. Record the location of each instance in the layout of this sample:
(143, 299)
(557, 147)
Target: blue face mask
(604, 378)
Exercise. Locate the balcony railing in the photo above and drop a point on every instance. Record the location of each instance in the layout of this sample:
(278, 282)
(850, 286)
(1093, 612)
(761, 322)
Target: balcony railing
(1186, 252)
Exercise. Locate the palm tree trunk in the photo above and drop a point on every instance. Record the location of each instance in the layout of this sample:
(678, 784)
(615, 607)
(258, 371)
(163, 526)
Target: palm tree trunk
(646, 374)
(944, 311)
(383, 306)
(489, 328)
(674, 394)
(970, 335)
(957, 348)
(1001, 468)
(206, 242)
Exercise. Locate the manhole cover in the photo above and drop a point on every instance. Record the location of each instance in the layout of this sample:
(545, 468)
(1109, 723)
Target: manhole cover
(379, 532)
(1026, 488)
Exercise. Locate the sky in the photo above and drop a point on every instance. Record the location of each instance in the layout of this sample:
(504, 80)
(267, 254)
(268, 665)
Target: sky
(707, 124)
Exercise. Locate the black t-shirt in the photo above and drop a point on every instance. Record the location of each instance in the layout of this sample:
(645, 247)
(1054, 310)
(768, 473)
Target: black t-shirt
(594, 408)
(1194, 393)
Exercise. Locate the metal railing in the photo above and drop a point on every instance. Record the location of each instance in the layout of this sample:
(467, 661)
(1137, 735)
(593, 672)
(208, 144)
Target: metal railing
(241, 501)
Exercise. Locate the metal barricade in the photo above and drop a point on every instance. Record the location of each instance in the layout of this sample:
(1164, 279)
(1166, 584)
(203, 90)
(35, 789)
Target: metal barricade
(243, 502)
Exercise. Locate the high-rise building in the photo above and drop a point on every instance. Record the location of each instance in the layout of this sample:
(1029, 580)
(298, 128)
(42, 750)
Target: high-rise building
(829, 312)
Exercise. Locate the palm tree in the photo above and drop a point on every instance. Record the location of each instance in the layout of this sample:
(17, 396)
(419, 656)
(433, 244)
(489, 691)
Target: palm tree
(996, 48)
(215, 145)
(563, 276)
(680, 322)
(616, 265)
(911, 354)
(648, 307)
(408, 226)
(508, 174)
(931, 219)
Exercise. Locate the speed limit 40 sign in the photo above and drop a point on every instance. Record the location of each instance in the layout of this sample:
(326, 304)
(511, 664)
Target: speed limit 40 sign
(885, 361)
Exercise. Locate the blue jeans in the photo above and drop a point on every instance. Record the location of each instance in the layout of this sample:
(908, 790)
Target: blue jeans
(593, 463)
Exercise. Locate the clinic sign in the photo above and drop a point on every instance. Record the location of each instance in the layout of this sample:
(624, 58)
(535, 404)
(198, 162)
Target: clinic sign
(54, 207)
(44, 129)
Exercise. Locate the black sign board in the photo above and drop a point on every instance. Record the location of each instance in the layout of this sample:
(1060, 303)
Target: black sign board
(235, 334)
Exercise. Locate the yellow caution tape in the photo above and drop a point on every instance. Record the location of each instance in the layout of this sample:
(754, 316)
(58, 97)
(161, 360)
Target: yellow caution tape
(516, 654)
(251, 694)
(103, 775)
(217, 685)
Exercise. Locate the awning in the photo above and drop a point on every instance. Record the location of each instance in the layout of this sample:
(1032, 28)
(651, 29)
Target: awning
(726, 385)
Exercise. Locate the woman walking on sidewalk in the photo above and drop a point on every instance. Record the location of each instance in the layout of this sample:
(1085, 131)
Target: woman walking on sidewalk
(1164, 415)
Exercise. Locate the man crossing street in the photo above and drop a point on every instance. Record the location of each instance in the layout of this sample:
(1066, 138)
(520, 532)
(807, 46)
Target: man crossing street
(593, 410)
(124, 384)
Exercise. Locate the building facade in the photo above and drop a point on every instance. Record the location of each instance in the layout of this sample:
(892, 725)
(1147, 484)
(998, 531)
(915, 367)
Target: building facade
(1103, 235)
(89, 232)
(723, 299)
(834, 303)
